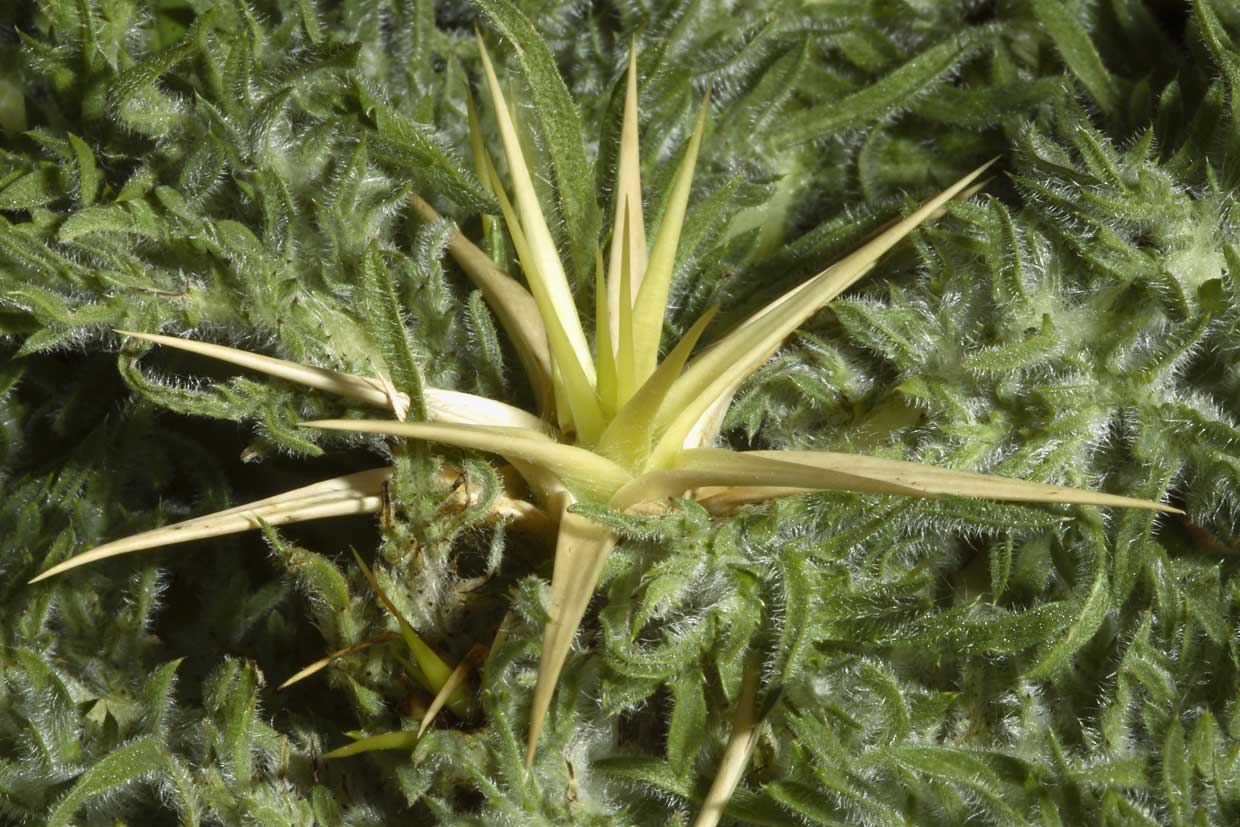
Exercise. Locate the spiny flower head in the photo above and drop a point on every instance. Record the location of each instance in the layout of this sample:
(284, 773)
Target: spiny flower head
(616, 425)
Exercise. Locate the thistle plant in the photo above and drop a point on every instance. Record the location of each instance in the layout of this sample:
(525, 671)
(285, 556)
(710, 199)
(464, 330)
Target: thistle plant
(777, 635)
(618, 428)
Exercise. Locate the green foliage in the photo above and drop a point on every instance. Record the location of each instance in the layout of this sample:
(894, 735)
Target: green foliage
(240, 172)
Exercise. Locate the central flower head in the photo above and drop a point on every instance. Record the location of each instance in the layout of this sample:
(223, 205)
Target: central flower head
(609, 405)
(619, 425)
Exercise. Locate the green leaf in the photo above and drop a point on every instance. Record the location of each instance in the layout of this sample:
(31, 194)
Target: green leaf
(314, 32)
(1000, 560)
(158, 699)
(1221, 49)
(808, 803)
(895, 91)
(1079, 52)
(88, 172)
(389, 331)
(482, 334)
(883, 687)
(134, 95)
(961, 767)
(1005, 256)
(1177, 775)
(687, 727)
(111, 219)
(650, 772)
(796, 621)
(180, 786)
(119, 768)
(997, 634)
(1203, 747)
(34, 189)
(1031, 352)
(416, 149)
(1122, 772)
(1094, 609)
(317, 576)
